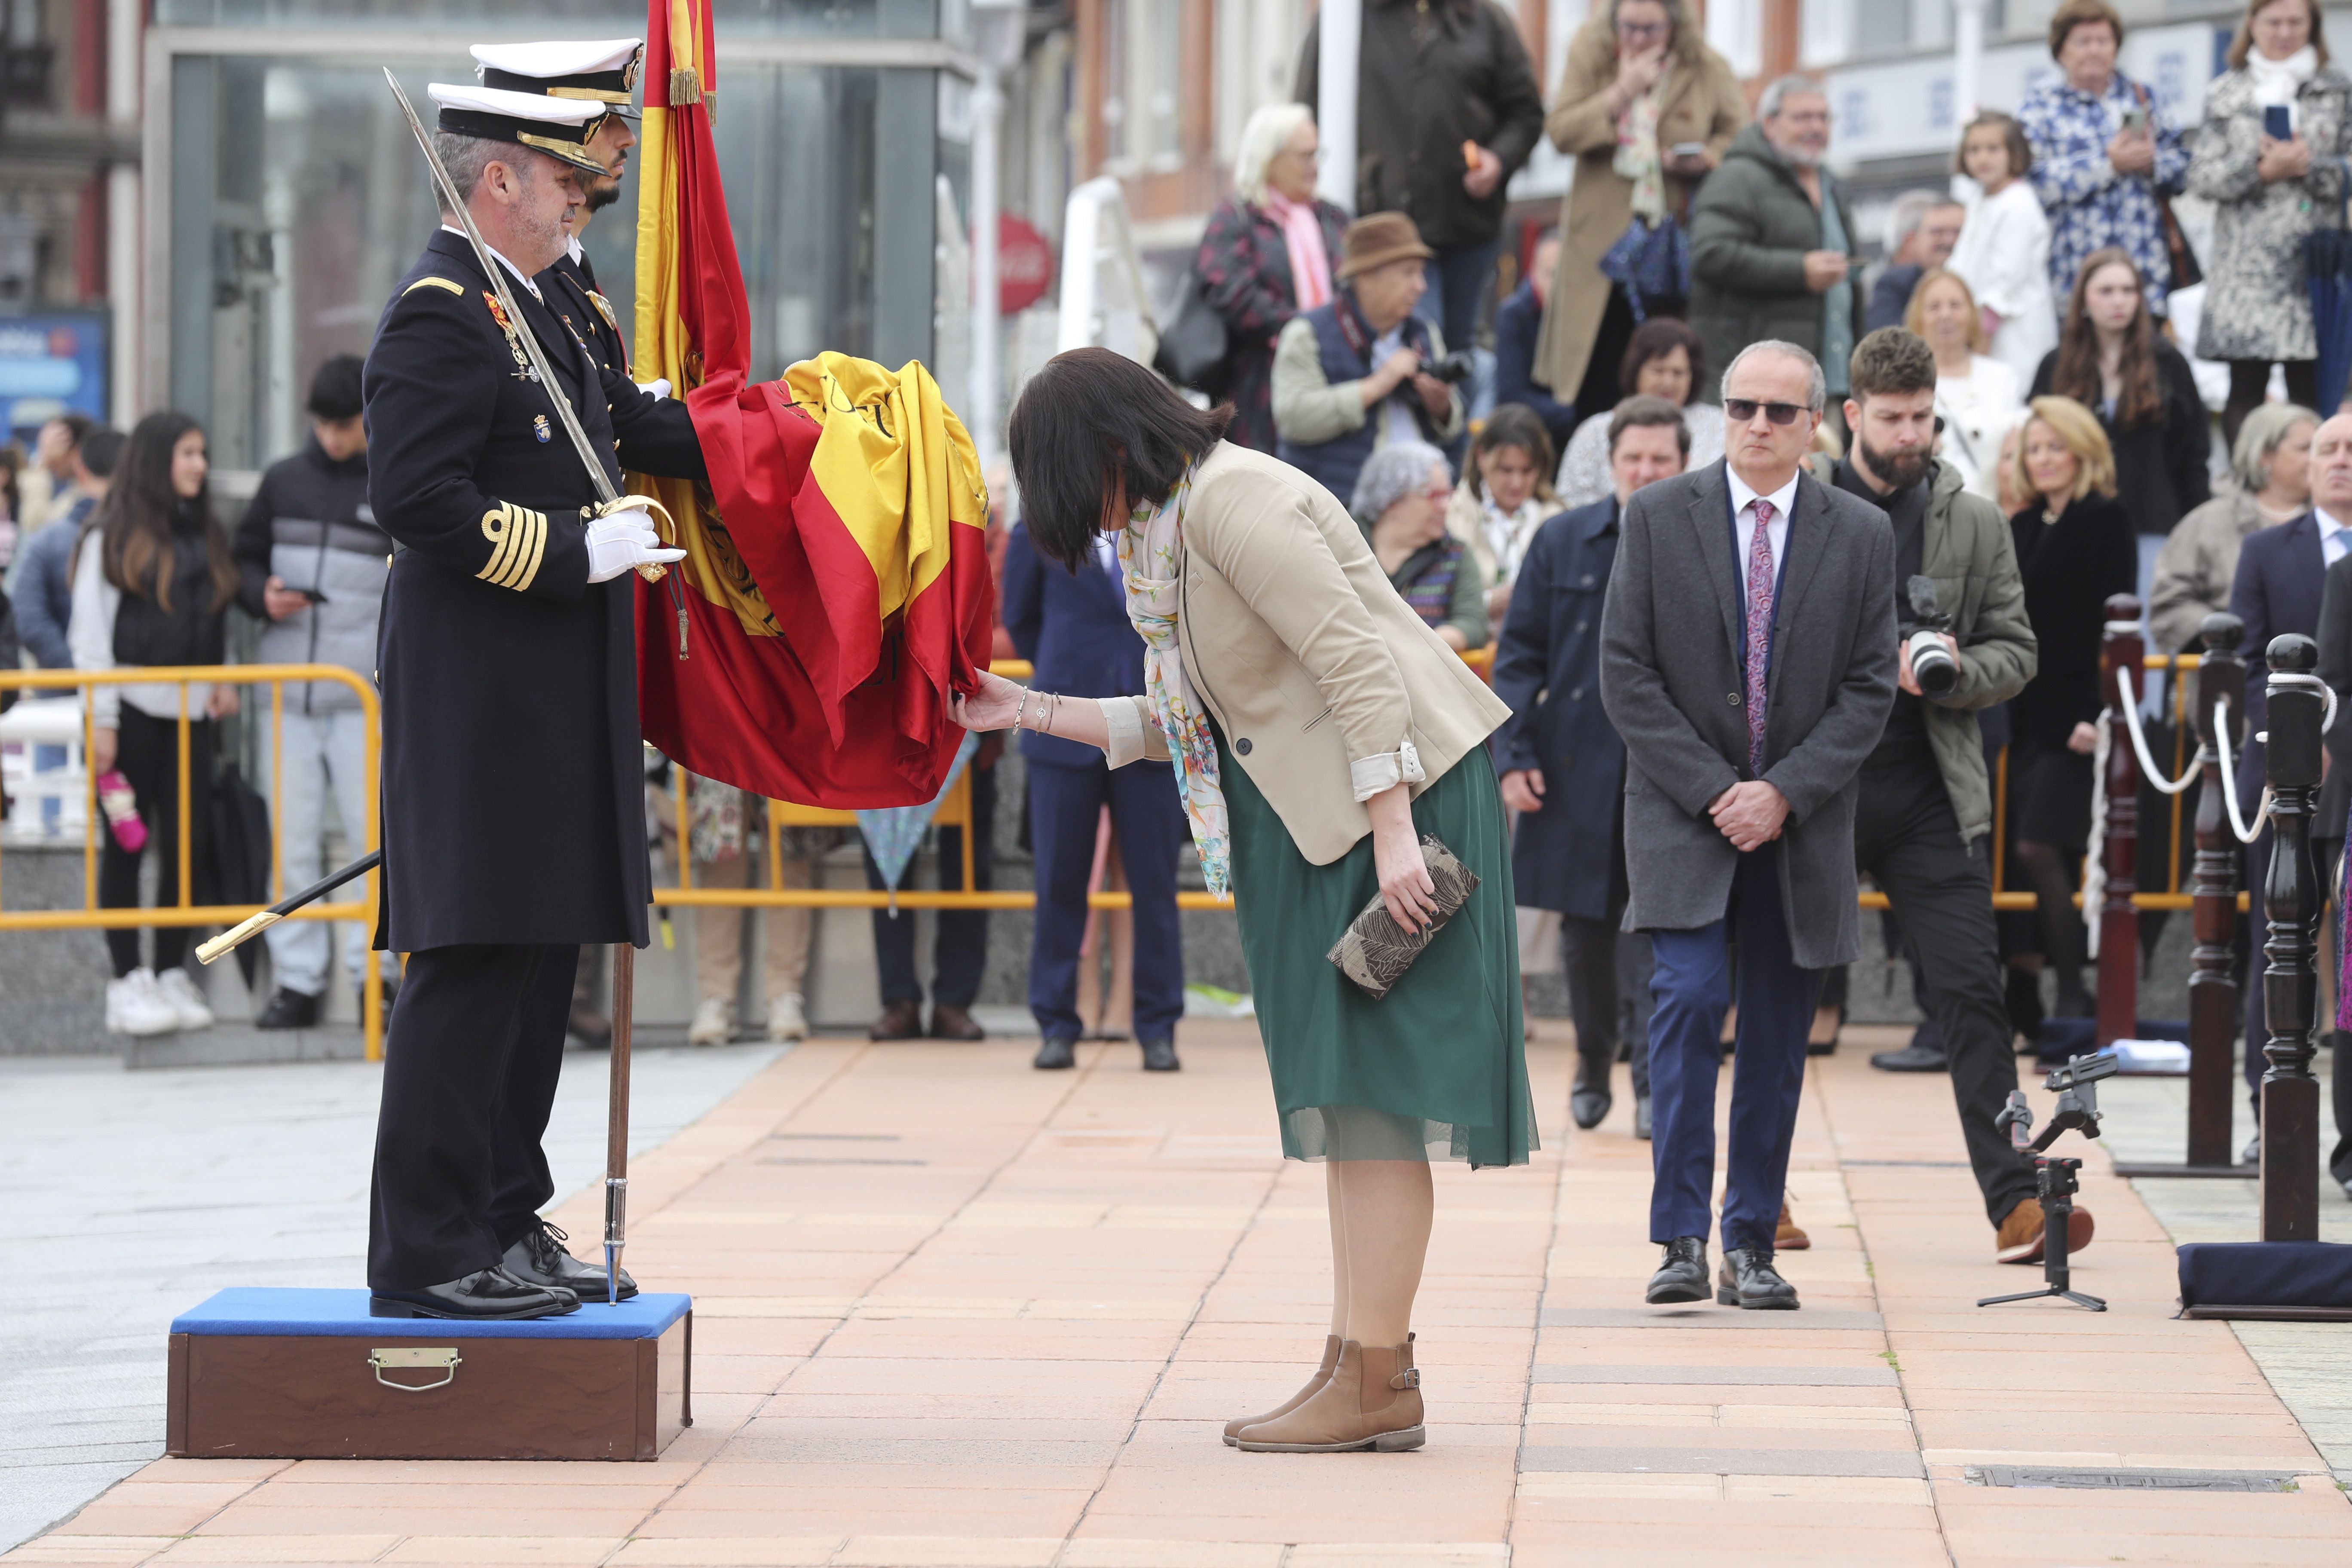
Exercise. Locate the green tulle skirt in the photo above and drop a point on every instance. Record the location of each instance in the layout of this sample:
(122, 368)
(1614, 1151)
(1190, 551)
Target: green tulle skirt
(1437, 1069)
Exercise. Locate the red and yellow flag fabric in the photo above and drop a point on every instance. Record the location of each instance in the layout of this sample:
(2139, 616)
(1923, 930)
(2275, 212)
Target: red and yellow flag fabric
(835, 588)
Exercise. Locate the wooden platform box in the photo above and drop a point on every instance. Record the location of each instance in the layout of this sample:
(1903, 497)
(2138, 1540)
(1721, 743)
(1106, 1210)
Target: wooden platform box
(309, 1374)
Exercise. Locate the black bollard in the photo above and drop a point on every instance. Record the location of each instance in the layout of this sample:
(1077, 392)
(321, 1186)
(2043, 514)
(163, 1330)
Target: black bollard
(2292, 902)
(2213, 1008)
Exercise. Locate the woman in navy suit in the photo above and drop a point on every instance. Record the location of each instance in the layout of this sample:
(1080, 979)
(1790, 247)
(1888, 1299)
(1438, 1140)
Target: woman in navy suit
(1073, 629)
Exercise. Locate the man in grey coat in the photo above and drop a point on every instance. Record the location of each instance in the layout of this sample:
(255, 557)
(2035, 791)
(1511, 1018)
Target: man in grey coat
(1748, 661)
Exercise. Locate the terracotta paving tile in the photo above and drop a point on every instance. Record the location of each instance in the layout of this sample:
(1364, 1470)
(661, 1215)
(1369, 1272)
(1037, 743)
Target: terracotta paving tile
(1018, 1352)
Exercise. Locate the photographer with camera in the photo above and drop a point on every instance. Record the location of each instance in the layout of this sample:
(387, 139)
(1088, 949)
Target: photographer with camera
(1924, 819)
(1362, 371)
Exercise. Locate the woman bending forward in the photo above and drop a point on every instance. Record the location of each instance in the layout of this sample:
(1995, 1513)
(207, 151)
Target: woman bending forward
(1318, 730)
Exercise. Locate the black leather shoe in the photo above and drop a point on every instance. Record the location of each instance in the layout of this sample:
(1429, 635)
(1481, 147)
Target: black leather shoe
(1683, 1276)
(1160, 1056)
(1749, 1281)
(1911, 1058)
(540, 1258)
(1641, 1116)
(289, 1009)
(1589, 1101)
(485, 1294)
(1058, 1051)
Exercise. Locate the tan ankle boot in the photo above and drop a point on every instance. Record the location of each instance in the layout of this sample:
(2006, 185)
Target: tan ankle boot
(1372, 1400)
(1322, 1376)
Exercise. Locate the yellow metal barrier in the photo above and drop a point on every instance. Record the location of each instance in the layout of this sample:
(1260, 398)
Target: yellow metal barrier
(187, 912)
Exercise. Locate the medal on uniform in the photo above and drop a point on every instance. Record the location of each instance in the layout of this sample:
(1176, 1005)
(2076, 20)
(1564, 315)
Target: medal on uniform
(524, 369)
(541, 428)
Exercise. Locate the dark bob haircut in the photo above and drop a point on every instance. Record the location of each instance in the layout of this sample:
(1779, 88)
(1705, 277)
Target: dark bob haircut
(1088, 421)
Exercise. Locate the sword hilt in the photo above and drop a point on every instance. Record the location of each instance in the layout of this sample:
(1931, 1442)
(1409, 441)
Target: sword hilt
(238, 935)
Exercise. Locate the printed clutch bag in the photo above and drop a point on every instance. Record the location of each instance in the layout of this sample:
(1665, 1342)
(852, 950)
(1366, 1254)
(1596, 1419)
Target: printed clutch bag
(1374, 950)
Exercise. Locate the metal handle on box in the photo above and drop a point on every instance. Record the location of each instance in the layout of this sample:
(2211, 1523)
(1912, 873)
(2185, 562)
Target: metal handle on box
(444, 1357)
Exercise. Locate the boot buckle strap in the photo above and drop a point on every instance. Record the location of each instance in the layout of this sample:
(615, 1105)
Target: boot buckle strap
(1409, 1378)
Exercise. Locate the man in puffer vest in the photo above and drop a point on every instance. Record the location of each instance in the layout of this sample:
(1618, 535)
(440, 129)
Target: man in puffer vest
(311, 566)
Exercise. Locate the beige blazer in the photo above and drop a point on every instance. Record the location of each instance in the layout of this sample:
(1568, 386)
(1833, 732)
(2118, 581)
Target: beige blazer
(1329, 688)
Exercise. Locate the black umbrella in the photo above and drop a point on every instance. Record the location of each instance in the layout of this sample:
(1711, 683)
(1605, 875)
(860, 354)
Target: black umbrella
(240, 849)
(2327, 262)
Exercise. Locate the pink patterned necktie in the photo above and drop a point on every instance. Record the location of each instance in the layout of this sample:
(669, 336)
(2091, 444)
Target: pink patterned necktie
(1760, 631)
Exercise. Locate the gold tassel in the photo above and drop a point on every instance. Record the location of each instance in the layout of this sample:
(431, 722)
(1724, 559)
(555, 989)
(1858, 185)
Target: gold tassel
(684, 86)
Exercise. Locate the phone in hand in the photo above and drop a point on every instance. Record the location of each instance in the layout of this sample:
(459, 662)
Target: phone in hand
(2134, 121)
(2278, 122)
(1686, 151)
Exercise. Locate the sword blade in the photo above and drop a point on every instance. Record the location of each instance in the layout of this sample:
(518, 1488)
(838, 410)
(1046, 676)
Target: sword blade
(605, 489)
(617, 1125)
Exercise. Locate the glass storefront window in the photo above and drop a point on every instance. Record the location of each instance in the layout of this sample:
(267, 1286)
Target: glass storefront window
(299, 199)
(569, 18)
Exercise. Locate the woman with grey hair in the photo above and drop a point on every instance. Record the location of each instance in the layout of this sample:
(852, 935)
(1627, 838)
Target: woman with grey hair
(2271, 464)
(1399, 503)
(1266, 255)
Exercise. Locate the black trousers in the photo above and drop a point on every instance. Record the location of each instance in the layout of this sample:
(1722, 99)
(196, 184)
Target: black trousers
(147, 752)
(960, 947)
(470, 1063)
(1906, 836)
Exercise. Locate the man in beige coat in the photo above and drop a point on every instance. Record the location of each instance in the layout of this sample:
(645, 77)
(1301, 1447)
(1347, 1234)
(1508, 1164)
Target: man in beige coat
(1634, 60)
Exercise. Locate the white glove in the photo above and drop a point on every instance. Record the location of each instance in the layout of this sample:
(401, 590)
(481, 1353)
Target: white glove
(624, 542)
(657, 388)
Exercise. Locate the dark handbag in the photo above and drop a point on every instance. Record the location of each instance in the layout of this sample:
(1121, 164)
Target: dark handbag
(1191, 352)
(1374, 950)
(2177, 252)
(1650, 264)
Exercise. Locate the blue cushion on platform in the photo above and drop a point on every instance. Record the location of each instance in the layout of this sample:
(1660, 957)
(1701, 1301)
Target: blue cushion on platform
(2266, 1274)
(254, 1309)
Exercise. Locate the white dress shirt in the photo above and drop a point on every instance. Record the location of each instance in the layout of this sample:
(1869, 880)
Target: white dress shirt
(2335, 538)
(1743, 521)
(520, 278)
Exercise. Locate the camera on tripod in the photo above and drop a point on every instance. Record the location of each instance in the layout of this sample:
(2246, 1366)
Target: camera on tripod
(1932, 664)
(1453, 369)
(2054, 1180)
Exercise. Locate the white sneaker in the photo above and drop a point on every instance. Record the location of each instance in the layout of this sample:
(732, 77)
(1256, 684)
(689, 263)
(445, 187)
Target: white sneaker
(785, 1019)
(135, 1005)
(714, 1023)
(180, 995)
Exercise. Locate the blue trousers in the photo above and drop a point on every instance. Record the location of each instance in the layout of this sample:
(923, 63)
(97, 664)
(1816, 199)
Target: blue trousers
(1457, 287)
(1065, 806)
(1690, 986)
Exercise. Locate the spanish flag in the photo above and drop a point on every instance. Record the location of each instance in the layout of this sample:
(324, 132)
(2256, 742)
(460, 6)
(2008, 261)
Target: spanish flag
(835, 588)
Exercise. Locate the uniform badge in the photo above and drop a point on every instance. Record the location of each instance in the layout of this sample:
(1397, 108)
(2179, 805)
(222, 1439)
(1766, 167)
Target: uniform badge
(538, 428)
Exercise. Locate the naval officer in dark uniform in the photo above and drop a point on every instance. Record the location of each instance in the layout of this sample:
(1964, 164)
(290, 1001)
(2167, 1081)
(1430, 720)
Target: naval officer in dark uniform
(513, 822)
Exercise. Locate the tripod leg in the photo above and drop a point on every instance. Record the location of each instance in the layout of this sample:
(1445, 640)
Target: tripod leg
(2020, 1296)
(2094, 1303)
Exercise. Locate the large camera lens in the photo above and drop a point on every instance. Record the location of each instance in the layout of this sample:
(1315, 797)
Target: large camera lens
(1932, 665)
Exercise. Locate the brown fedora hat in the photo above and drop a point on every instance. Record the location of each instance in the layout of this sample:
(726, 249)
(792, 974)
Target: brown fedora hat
(1378, 239)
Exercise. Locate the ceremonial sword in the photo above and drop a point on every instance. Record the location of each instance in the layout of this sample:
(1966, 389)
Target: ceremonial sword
(624, 956)
(253, 926)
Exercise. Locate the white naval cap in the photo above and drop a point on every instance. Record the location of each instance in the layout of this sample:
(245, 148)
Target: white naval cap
(559, 127)
(601, 70)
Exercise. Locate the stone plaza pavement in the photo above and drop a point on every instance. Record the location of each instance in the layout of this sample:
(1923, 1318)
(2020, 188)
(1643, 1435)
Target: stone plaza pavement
(954, 1313)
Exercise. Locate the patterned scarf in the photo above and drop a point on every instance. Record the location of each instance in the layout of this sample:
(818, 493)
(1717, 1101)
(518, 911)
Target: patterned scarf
(1637, 157)
(1150, 559)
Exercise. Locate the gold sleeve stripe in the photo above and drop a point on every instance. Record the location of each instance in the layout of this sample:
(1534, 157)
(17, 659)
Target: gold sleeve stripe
(435, 283)
(518, 538)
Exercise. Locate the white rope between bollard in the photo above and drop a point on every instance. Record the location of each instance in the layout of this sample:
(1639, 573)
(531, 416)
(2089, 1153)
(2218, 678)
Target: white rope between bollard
(2139, 739)
(2229, 778)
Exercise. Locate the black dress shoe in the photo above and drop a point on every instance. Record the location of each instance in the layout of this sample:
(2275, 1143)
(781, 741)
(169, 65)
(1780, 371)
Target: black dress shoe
(540, 1258)
(487, 1295)
(289, 1009)
(1642, 1116)
(1749, 1281)
(1160, 1056)
(1589, 1101)
(1683, 1276)
(1911, 1059)
(1058, 1051)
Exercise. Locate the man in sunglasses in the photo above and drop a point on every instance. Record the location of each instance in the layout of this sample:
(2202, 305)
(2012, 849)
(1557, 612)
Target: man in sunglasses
(1925, 818)
(1748, 661)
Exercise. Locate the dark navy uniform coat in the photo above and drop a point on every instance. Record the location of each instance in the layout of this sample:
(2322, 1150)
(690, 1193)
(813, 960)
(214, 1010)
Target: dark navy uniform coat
(513, 804)
(571, 289)
(1548, 668)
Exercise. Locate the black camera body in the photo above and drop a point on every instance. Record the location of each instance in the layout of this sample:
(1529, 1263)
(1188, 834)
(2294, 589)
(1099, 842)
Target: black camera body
(1933, 665)
(1453, 369)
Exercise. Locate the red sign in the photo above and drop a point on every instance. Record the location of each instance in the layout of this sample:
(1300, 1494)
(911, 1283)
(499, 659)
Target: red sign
(1024, 264)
